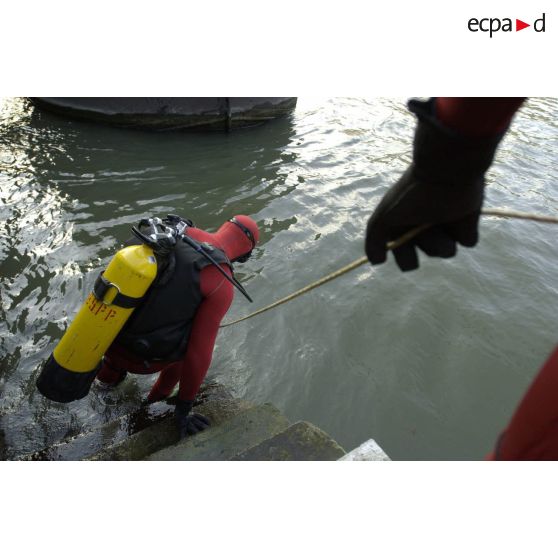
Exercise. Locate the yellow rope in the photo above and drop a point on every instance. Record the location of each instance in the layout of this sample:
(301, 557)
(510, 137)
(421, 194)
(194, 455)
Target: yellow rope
(390, 246)
(520, 215)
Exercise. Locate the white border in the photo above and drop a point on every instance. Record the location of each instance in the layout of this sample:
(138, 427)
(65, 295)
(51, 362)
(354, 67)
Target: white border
(417, 509)
(287, 48)
(291, 48)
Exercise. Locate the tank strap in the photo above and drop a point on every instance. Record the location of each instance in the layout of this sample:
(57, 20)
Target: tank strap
(101, 287)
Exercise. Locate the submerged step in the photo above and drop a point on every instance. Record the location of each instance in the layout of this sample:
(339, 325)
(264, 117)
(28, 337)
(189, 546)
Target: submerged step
(86, 444)
(300, 442)
(222, 442)
(164, 433)
(89, 442)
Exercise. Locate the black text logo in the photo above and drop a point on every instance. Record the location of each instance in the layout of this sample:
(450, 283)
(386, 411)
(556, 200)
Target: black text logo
(493, 25)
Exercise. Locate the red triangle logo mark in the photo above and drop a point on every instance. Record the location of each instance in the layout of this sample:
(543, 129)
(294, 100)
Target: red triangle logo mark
(519, 25)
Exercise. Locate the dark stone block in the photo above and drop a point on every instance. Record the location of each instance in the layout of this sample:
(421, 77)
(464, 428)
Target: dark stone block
(300, 442)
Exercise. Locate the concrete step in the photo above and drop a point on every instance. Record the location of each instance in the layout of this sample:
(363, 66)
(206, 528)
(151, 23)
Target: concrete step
(224, 441)
(239, 430)
(300, 442)
(164, 433)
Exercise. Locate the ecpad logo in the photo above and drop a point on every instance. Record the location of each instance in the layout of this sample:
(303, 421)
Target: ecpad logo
(494, 24)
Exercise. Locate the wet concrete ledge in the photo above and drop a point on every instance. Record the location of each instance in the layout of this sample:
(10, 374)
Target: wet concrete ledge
(240, 431)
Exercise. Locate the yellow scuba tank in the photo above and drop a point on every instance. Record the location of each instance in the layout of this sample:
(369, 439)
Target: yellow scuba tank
(74, 363)
(70, 370)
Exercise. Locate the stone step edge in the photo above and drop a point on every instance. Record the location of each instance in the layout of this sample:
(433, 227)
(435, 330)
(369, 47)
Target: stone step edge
(330, 450)
(217, 410)
(208, 435)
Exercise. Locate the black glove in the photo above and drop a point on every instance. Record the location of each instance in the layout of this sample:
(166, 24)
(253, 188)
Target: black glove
(444, 186)
(189, 424)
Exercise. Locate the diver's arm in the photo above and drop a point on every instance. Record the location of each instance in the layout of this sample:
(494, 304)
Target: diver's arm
(477, 116)
(218, 294)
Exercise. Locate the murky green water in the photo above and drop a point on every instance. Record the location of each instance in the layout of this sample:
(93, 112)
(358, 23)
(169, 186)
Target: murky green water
(430, 364)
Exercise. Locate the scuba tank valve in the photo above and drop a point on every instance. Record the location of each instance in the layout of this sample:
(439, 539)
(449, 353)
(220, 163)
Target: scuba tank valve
(179, 225)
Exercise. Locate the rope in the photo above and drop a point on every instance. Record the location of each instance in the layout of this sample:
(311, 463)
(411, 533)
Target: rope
(494, 212)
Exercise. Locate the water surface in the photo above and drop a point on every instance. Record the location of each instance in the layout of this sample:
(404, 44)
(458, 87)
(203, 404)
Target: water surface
(431, 363)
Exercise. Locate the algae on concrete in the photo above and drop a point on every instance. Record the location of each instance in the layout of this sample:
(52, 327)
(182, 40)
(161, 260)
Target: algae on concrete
(300, 442)
(164, 433)
(245, 429)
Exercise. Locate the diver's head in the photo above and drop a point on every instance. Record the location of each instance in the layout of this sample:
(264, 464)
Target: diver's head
(238, 237)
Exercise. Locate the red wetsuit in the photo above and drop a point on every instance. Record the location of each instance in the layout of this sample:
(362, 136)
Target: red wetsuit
(532, 433)
(477, 116)
(217, 295)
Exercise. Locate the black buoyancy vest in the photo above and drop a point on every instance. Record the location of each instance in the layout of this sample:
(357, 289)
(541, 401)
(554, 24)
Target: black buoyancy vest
(159, 329)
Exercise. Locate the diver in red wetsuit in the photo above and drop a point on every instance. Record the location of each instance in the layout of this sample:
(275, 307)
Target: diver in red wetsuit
(175, 328)
(454, 145)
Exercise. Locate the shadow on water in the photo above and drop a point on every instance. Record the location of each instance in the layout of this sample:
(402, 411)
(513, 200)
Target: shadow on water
(69, 193)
